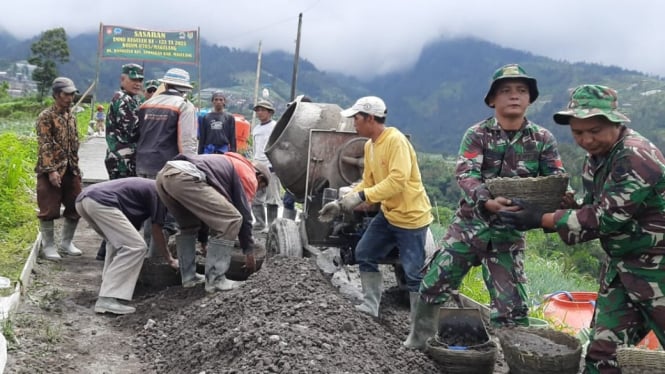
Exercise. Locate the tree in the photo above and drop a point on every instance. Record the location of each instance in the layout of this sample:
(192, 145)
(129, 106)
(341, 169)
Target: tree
(50, 49)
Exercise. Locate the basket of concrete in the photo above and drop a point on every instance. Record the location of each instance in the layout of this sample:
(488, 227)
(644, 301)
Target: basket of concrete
(462, 344)
(540, 351)
(640, 361)
(545, 192)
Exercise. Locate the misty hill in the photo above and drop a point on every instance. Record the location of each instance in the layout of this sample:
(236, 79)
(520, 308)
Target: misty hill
(435, 100)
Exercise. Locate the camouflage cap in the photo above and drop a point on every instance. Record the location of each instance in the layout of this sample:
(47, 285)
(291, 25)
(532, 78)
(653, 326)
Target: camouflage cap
(153, 83)
(512, 71)
(133, 71)
(589, 100)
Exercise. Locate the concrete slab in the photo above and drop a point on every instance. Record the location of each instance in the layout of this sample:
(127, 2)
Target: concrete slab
(91, 160)
(9, 304)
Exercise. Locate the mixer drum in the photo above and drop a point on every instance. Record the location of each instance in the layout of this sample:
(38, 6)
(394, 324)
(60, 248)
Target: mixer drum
(288, 145)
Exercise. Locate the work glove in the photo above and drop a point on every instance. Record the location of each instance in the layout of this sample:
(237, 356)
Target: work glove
(329, 211)
(529, 217)
(351, 200)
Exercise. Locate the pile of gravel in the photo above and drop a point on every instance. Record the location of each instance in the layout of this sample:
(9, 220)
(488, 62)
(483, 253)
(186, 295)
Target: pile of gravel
(287, 318)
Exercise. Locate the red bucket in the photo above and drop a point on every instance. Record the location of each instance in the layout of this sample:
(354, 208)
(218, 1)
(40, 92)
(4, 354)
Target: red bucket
(575, 310)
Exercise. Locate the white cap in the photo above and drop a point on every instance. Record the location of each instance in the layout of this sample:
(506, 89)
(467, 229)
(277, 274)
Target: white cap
(177, 77)
(369, 104)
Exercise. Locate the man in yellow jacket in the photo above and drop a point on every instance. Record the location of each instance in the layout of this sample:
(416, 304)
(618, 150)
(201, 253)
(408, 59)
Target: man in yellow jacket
(392, 178)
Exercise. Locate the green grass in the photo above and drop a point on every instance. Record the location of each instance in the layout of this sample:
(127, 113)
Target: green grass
(18, 223)
(18, 156)
(545, 275)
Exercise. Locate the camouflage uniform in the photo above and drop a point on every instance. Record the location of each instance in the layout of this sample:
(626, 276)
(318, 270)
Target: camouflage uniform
(624, 207)
(57, 137)
(122, 129)
(476, 237)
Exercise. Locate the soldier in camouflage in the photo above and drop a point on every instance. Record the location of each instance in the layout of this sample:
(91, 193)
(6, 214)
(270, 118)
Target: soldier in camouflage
(122, 124)
(623, 206)
(505, 145)
(122, 129)
(151, 87)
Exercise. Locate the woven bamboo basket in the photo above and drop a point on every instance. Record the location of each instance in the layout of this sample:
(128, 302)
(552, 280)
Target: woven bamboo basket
(560, 354)
(544, 191)
(478, 359)
(641, 361)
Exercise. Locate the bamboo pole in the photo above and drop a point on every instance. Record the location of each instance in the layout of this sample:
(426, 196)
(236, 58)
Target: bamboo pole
(83, 96)
(256, 85)
(294, 78)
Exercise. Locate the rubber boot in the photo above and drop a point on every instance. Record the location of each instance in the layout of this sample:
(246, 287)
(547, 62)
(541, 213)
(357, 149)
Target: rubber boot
(101, 252)
(423, 325)
(372, 283)
(186, 248)
(112, 305)
(218, 262)
(48, 241)
(259, 218)
(152, 250)
(413, 299)
(68, 230)
(272, 214)
(289, 214)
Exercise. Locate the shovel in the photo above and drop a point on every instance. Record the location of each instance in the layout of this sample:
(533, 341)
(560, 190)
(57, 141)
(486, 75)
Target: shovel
(462, 321)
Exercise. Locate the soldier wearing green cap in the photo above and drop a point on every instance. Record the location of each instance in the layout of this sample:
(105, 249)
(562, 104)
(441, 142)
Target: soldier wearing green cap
(122, 129)
(122, 124)
(504, 145)
(151, 87)
(624, 194)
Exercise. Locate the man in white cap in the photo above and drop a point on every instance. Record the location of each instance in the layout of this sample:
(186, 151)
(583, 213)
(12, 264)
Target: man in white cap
(269, 198)
(391, 177)
(167, 127)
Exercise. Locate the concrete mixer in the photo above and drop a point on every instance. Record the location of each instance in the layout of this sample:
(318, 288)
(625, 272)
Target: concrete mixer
(317, 155)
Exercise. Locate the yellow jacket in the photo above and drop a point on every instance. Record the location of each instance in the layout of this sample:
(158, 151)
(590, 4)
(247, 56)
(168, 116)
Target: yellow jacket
(392, 178)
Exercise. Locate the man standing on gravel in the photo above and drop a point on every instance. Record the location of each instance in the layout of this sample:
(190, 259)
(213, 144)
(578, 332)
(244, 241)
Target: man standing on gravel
(624, 180)
(58, 173)
(504, 145)
(116, 209)
(391, 177)
(167, 127)
(267, 199)
(208, 189)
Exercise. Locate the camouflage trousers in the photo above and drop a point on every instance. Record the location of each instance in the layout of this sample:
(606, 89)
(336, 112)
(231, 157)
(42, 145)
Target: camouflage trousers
(620, 320)
(503, 274)
(122, 166)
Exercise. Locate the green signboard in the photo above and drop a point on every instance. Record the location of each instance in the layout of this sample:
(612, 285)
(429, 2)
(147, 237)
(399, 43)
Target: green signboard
(119, 42)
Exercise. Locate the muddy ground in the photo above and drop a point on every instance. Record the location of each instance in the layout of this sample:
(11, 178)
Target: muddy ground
(287, 318)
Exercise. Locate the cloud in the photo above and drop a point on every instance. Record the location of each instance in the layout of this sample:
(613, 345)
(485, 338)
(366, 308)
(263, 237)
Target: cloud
(369, 37)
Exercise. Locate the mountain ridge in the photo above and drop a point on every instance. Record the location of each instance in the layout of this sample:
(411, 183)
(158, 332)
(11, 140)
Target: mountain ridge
(434, 100)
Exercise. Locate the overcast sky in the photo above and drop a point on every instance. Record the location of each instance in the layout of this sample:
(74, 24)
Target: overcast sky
(368, 37)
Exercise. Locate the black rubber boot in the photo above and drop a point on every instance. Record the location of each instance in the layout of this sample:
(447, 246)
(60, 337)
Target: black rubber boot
(101, 252)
